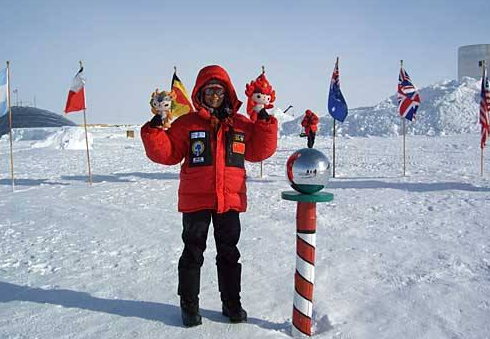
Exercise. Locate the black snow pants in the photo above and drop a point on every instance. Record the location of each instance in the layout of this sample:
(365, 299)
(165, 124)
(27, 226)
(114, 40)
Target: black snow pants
(311, 139)
(226, 235)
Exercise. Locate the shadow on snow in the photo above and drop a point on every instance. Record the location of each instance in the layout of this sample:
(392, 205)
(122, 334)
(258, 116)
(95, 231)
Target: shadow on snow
(333, 184)
(165, 313)
(407, 186)
(96, 178)
(30, 182)
(122, 177)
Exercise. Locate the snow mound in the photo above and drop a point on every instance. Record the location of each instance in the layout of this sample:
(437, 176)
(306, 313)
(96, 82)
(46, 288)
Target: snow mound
(448, 107)
(69, 138)
(293, 127)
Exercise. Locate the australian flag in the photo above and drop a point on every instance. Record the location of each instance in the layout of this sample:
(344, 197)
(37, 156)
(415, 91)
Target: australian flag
(408, 96)
(337, 107)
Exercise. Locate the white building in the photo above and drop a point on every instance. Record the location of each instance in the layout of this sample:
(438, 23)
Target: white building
(469, 58)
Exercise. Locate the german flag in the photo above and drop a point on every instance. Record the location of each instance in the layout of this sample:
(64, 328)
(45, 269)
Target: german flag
(181, 104)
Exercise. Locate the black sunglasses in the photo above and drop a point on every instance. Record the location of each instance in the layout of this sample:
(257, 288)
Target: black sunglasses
(219, 91)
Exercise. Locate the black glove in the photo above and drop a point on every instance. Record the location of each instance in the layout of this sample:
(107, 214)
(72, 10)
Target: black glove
(263, 115)
(156, 121)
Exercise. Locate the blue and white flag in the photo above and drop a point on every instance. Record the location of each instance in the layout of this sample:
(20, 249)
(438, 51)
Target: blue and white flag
(4, 92)
(337, 107)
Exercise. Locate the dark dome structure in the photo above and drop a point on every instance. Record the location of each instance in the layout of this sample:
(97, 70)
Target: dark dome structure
(30, 117)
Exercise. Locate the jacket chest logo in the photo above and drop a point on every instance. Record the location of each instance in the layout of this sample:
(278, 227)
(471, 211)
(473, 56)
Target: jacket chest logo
(235, 149)
(239, 137)
(198, 148)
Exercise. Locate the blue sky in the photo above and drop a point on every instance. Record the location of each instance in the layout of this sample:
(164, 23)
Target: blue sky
(130, 48)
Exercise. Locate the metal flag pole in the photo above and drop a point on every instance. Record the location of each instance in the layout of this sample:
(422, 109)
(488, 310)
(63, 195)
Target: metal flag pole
(404, 151)
(334, 132)
(481, 161)
(10, 125)
(333, 147)
(481, 148)
(86, 135)
(403, 131)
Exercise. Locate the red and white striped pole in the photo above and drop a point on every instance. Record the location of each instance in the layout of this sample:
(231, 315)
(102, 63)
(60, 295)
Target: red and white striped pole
(307, 171)
(305, 268)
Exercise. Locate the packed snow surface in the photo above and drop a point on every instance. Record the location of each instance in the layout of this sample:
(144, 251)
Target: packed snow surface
(397, 257)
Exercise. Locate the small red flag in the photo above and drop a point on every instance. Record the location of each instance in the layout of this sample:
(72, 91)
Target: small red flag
(76, 95)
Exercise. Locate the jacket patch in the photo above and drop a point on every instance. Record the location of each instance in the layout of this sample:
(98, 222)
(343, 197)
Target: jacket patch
(200, 149)
(240, 137)
(238, 147)
(235, 149)
(198, 134)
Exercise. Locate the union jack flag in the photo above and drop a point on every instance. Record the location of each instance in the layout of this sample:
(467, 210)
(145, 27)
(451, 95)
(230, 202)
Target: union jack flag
(484, 108)
(408, 96)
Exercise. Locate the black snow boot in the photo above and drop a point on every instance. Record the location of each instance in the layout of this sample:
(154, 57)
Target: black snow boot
(190, 312)
(234, 311)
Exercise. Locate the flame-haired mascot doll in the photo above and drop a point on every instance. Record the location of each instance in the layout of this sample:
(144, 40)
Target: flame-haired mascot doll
(260, 96)
(161, 104)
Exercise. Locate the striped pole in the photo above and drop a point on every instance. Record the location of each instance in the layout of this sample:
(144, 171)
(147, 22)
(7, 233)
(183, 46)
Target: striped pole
(305, 258)
(305, 268)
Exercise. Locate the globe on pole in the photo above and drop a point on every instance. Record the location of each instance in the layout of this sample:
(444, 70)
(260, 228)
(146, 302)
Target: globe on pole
(308, 170)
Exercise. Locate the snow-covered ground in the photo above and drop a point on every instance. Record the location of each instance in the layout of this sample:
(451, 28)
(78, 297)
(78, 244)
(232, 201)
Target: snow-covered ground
(397, 257)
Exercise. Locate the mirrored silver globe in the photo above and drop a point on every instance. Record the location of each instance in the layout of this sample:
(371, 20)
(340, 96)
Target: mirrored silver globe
(308, 170)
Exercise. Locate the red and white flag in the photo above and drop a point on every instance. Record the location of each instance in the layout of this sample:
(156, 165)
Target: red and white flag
(76, 96)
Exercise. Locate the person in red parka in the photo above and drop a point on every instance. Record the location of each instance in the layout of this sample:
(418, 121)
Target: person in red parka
(214, 142)
(309, 123)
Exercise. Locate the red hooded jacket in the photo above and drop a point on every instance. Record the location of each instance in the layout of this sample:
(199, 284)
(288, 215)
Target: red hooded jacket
(213, 173)
(310, 122)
